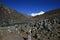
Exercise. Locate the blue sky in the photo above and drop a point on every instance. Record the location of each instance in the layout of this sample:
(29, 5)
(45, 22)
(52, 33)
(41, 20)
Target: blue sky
(32, 6)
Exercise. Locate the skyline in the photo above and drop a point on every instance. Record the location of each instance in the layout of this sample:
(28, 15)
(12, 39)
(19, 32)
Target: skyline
(32, 6)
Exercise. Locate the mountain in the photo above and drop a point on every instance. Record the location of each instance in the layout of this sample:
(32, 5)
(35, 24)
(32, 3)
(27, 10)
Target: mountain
(47, 26)
(11, 16)
(40, 27)
(48, 15)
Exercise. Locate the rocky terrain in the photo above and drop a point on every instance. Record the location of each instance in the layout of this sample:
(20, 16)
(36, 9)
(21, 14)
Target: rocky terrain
(11, 16)
(18, 26)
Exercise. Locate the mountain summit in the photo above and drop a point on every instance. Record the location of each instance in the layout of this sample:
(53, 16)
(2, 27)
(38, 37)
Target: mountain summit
(48, 15)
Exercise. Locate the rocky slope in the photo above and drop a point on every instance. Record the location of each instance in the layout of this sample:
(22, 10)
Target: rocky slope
(47, 26)
(10, 16)
(48, 15)
(41, 27)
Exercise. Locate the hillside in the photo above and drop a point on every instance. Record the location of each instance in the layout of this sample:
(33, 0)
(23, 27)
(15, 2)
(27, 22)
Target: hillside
(24, 27)
(11, 16)
(48, 15)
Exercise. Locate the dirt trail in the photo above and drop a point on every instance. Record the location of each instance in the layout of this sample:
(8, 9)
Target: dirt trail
(11, 37)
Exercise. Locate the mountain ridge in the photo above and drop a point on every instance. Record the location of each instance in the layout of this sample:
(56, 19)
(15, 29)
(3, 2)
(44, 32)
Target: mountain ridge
(10, 16)
(49, 14)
